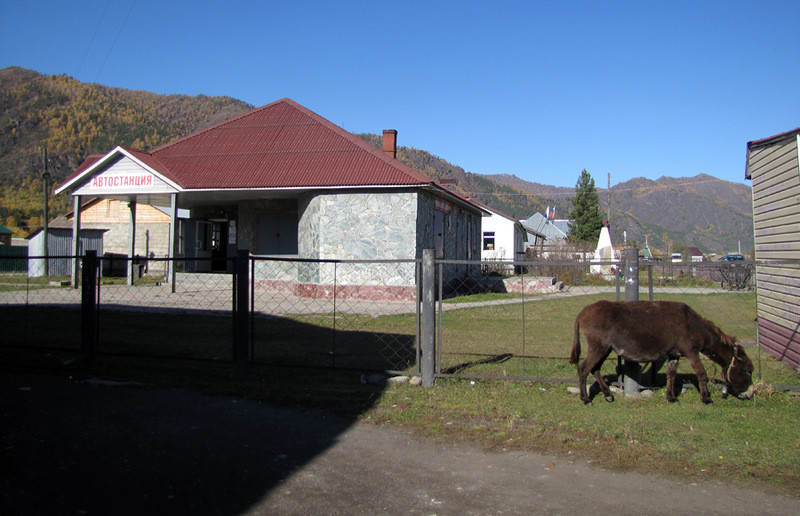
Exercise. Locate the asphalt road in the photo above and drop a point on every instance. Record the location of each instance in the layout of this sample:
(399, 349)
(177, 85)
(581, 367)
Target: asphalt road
(98, 448)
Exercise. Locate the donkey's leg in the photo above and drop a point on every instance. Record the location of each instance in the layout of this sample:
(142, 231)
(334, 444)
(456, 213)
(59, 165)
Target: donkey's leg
(583, 372)
(672, 369)
(600, 380)
(702, 377)
(594, 359)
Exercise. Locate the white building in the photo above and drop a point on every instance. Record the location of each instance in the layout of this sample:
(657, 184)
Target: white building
(503, 237)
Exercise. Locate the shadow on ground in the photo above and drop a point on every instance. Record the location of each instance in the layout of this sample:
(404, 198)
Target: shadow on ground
(99, 448)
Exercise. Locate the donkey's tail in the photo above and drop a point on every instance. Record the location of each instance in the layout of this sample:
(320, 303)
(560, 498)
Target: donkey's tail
(576, 344)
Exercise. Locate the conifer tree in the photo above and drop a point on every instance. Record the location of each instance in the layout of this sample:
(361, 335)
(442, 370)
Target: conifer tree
(586, 221)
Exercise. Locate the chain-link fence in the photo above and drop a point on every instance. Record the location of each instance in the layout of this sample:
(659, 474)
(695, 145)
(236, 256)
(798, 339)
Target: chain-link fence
(38, 310)
(344, 314)
(515, 320)
(493, 319)
(336, 313)
(149, 316)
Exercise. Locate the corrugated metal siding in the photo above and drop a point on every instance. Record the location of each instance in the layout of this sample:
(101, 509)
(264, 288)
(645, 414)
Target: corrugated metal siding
(59, 243)
(780, 342)
(776, 200)
(774, 168)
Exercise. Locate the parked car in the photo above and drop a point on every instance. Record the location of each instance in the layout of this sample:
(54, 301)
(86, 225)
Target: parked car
(676, 257)
(733, 258)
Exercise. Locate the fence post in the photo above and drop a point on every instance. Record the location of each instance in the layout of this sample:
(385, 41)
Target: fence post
(631, 370)
(241, 290)
(89, 305)
(428, 317)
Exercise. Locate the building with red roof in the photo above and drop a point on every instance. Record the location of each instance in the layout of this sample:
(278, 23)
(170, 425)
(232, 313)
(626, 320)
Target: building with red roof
(281, 180)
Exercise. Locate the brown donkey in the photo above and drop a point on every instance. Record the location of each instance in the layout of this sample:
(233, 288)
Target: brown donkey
(647, 331)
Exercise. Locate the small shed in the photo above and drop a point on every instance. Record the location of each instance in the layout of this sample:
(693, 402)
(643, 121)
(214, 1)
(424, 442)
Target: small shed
(773, 165)
(59, 248)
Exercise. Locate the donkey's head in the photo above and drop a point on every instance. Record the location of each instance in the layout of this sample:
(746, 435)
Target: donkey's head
(740, 374)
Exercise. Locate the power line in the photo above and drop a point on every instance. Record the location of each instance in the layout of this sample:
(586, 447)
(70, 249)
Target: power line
(17, 156)
(91, 41)
(115, 40)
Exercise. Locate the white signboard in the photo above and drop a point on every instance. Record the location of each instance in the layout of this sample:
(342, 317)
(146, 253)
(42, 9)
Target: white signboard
(125, 177)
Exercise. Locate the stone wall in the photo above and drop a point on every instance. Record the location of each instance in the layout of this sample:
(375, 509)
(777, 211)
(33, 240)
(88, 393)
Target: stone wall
(364, 225)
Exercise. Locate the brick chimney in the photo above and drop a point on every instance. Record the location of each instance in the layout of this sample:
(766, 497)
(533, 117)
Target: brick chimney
(390, 142)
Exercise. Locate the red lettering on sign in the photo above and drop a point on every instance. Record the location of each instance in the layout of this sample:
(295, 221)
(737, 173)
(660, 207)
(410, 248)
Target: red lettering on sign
(122, 181)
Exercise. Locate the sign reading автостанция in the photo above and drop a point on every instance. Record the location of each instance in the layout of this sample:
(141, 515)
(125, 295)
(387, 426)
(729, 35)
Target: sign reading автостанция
(122, 181)
(125, 180)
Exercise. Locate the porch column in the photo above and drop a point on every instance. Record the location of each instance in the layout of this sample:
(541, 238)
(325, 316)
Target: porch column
(76, 249)
(173, 239)
(131, 239)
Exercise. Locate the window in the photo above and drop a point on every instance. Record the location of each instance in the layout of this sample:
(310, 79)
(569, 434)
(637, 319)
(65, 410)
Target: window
(488, 240)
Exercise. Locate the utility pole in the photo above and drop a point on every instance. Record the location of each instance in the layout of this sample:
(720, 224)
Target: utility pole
(45, 212)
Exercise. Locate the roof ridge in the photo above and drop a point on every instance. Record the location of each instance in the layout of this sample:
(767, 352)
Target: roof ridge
(146, 157)
(219, 124)
(340, 131)
(378, 153)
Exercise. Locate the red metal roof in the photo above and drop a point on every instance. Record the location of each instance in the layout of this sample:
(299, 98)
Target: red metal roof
(90, 160)
(786, 134)
(280, 145)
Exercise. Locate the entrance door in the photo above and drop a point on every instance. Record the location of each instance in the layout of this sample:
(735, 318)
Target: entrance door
(219, 245)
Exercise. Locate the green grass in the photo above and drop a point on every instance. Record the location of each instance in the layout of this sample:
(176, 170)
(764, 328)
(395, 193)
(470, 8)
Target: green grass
(16, 282)
(482, 297)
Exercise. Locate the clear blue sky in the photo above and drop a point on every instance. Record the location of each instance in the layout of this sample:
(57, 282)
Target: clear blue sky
(537, 89)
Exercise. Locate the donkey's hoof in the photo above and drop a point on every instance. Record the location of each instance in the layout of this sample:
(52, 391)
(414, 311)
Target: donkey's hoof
(610, 398)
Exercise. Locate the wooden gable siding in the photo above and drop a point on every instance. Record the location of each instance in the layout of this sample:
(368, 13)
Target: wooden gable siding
(110, 211)
(774, 170)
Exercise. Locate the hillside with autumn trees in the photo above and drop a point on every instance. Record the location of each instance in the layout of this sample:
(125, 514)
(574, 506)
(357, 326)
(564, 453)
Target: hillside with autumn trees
(507, 199)
(72, 120)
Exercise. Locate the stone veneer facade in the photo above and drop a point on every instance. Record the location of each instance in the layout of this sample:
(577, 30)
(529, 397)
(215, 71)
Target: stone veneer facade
(361, 225)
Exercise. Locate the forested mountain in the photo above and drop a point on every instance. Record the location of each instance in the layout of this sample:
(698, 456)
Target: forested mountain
(73, 119)
(670, 213)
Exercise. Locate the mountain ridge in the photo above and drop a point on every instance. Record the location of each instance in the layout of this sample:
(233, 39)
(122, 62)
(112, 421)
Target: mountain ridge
(74, 119)
(671, 212)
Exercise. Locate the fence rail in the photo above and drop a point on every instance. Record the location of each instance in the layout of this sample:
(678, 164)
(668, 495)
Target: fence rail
(501, 320)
